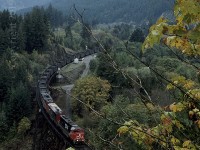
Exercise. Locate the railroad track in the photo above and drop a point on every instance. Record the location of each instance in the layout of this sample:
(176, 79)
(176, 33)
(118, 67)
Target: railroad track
(53, 115)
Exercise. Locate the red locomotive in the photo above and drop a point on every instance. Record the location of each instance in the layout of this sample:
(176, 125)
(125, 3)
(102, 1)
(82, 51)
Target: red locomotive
(76, 133)
(71, 129)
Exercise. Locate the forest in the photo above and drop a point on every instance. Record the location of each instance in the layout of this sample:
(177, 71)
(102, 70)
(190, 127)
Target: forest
(109, 11)
(142, 89)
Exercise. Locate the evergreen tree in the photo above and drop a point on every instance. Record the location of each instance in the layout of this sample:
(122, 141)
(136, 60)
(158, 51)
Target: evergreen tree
(28, 32)
(20, 38)
(4, 40)
(86, 35)
(5, 80)
(122, 31)
(50, 16)
(19, 104)
(137, 36)
(5, 20)
(39, 29)
(3, 130)
(36, 27)
(54, 16)
(69, 37)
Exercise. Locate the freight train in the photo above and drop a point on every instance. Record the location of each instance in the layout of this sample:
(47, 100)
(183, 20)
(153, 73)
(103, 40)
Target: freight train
(66, 125)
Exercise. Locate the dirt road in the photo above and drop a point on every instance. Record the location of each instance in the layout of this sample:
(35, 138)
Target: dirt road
(68, 88)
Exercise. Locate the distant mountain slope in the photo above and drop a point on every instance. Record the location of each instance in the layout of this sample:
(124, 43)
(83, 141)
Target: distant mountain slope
(107, 11)
(20, 4)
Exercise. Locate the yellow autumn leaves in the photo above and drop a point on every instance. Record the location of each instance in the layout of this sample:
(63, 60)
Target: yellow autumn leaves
(184, 34)
(92, 91)
(191, 88)
(178, 107)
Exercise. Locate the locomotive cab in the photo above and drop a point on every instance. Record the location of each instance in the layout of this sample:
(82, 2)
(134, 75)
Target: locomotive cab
(77, 134)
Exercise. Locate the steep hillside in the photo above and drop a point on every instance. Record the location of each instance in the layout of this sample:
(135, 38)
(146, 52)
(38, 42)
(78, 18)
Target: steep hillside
(107, 11)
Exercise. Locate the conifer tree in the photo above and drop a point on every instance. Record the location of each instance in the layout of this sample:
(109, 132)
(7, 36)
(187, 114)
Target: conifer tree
(86, 36)
(137, 36)
(19, 104)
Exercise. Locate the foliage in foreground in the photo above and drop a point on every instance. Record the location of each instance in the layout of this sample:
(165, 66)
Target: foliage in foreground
(179, 127)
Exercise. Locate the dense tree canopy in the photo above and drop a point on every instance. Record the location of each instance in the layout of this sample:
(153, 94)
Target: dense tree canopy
(108, 11)
(17, 76)
(30, 32)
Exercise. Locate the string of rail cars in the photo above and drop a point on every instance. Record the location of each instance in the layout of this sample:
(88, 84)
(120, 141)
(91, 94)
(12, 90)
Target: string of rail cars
(63, 124)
